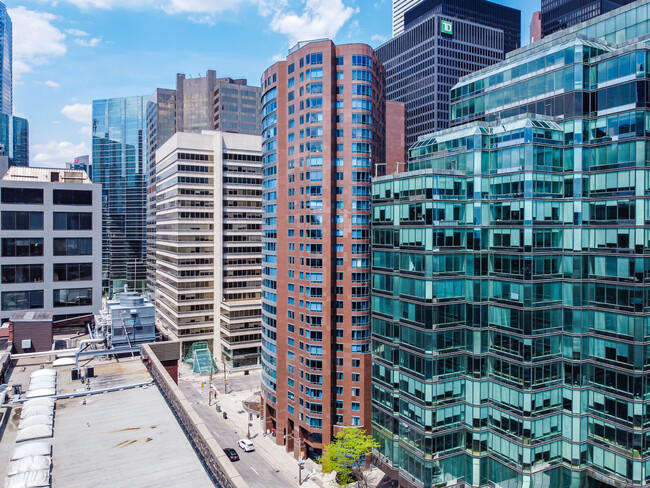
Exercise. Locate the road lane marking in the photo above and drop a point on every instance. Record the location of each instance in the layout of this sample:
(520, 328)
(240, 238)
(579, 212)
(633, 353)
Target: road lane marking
(255, 471)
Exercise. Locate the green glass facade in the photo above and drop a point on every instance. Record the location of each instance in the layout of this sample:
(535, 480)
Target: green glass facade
(510, 310)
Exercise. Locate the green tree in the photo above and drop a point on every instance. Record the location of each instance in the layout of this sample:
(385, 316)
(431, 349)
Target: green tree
(347, 456)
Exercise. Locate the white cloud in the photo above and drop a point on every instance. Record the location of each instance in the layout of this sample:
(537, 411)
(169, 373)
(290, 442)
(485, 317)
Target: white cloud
(78, 112)
(379, 38)
(52, 84)
(86, 130)
(169, 6)
(204, 19)
(319, 19)
(109, 4)
(297, 19)
(35, 40)
(278, 57)
(92, 42)
(56, 154)
(199, 6)
(77, 32)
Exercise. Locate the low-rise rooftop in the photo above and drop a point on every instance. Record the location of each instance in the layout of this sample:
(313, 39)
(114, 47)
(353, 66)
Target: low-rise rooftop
(114, 430)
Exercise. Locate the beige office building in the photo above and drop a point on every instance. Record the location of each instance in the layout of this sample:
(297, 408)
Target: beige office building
(208, 243)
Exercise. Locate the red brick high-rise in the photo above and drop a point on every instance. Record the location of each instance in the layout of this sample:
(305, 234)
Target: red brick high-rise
(323, 135)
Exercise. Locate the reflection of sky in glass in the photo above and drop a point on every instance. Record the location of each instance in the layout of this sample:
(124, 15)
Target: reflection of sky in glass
(119, 163)
(5, 61)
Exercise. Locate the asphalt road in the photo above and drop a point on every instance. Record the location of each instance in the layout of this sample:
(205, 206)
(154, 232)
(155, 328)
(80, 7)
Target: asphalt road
(254, 468)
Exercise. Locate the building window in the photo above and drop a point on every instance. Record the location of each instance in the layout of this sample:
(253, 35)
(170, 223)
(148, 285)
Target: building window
(22, 220)
(73, 297)
(356, 420)
(73, 272)
(33, 196)
(73, 246)
(73, 221)
(72, 197)
(22, 247)
(22, 273)
(22, 300)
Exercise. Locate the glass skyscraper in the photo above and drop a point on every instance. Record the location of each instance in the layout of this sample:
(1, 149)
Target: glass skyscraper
(6, 94)
(510, 309)
(560, 14)
(119, 165)
(14, 139)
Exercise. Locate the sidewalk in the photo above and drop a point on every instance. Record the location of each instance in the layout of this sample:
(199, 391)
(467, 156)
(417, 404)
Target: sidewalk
(232, 404)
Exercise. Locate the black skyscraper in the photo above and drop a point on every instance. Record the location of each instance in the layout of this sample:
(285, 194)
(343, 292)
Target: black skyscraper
(442, 41)
(560, 14)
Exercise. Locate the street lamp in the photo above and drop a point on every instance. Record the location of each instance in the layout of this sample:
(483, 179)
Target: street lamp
(225, 379)
(301, 463)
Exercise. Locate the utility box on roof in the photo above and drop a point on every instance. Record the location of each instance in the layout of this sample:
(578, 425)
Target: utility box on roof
(32, 331)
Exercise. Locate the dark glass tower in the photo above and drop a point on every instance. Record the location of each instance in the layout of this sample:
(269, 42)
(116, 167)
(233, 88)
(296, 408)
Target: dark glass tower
(480, 12)
(560, 14)
(424, 62)
(119, 164)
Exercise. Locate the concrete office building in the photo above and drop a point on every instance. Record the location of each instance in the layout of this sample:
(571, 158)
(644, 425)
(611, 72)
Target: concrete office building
(161, 125)
(197, 104)
(50, 259)
(237, 106)
(208, 243)
(399, 9)
(560, 14)
(509, 274)
(323, 119)
(443, 41)
(119, 164)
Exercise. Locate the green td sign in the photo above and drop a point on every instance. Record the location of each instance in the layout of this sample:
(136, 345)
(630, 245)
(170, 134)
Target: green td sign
(447, 27)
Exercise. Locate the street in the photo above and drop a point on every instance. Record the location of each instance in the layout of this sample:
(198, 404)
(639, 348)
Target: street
(256, 470)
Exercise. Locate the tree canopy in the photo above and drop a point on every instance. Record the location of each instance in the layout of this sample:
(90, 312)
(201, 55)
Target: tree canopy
(347, 455)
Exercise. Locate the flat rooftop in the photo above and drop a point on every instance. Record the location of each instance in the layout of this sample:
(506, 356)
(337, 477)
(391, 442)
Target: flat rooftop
(123, 438)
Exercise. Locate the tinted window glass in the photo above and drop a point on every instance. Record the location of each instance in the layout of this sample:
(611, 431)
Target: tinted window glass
(22, 195)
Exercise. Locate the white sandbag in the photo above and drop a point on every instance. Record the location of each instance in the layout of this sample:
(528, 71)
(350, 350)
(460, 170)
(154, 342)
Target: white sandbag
(39, 402)
(40, 392)
(32, 411)
(42, 372)
(34, 432)
(31, 449)
(35, 420)
(29, 463)
(30, 479)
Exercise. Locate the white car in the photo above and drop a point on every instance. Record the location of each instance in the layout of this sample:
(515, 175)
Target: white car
(246, 445)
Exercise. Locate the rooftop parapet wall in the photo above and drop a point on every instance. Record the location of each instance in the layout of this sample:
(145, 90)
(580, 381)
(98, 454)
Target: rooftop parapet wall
(216, 463)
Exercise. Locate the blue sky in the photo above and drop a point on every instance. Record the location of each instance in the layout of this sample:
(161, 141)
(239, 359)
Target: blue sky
(70, 52)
